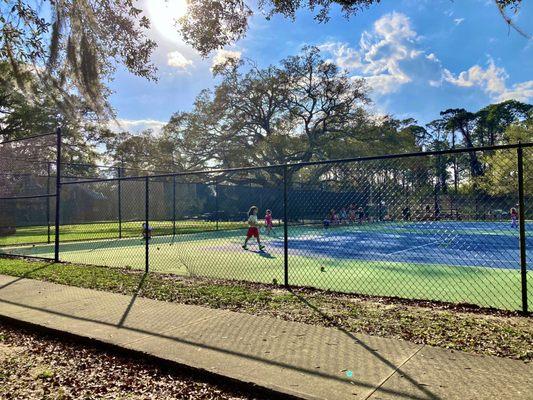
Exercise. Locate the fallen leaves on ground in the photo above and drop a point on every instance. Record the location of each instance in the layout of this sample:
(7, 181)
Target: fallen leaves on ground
(39, 366)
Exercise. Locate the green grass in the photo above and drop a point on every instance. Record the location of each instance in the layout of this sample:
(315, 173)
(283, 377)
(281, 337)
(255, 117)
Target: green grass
(220, 256)
(198, 251)
(504, 335)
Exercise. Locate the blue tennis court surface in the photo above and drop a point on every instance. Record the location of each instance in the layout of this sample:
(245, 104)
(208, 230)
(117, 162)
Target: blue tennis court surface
(447, 243)
(484, 244)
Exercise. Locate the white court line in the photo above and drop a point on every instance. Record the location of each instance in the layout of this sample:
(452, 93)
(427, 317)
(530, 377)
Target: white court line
(411, 248)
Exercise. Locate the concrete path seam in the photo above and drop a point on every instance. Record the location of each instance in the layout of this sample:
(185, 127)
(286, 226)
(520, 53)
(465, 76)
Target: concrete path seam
(393, 372)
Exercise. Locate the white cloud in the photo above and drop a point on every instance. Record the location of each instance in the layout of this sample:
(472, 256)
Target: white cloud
(177, 60)
(389, 57)
(136, 125)
(222, 56)
(386, 83)
(345, 56)
(492, 80)
(522, 91)
(458, 21)
(386, 55)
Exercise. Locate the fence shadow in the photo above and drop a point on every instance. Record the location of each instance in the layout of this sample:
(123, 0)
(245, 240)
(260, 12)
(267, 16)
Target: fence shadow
(133, 298)
(24, 276)
(332, 322)
(426, 394)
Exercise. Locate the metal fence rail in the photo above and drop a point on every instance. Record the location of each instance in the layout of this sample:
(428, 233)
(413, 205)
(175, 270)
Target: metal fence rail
(445, 225)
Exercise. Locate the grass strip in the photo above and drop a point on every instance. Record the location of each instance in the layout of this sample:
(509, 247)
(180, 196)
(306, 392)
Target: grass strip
(489, 332)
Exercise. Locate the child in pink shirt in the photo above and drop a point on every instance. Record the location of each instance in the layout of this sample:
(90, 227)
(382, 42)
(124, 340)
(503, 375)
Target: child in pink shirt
(514, 218)
(268, 221)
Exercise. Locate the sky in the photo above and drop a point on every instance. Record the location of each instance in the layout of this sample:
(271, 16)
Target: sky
(419, 57)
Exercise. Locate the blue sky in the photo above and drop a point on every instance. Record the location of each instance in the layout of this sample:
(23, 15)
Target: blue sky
(418, 56)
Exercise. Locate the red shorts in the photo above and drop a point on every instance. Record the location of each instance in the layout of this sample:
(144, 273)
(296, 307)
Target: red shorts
(252, 231)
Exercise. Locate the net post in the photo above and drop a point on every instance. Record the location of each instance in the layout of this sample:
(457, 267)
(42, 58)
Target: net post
(285, 230)
(522, 225)
(119, 170)
(146, 220)
(174, 205)
(48, 202)
(58, 193)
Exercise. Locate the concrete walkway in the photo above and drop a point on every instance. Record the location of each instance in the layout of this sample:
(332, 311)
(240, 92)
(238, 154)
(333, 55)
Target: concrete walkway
(306, 361)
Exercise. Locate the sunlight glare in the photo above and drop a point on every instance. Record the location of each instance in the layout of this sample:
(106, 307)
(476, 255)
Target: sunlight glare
(164, 14)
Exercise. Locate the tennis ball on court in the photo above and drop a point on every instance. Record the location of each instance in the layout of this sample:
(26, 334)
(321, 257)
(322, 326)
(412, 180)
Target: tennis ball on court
(322, 269)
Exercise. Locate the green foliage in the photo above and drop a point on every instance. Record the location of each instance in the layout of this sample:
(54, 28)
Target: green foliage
(18, 116)
(213, 24)
(500, 177)
(75, 45)
(22, 116)
(304, 109)
(501, 123)
(493, 120)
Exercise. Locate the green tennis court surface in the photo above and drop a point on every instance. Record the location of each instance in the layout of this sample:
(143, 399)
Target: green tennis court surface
(108, 230)
(471, 262)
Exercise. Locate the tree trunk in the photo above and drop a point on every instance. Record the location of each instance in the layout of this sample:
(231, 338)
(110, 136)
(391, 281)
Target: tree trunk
(475, 165)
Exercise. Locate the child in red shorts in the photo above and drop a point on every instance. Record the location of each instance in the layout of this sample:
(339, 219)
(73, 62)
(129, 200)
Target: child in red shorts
(253, 230)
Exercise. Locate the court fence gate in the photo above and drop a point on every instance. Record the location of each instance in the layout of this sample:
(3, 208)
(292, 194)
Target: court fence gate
(445, 225)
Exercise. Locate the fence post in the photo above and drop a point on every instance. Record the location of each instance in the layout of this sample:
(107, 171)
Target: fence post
(216, 202)
(174, 205)
(119, 202)
(285, 229)
(146, 220)
(48, 201)
(58, 193)
(522, 224)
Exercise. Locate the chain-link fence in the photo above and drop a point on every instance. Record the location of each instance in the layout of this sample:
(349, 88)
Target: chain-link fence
(27, 189)
(447, 226)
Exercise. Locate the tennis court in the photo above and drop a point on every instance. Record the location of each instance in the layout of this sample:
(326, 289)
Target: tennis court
(472, 262)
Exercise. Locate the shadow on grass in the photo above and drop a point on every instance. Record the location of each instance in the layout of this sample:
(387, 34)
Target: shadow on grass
(24, 276)
(425, 393)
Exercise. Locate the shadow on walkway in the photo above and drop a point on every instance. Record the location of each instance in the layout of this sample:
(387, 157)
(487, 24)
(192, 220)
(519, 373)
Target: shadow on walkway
(426, 394)
(334, 323)
(134, 297)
